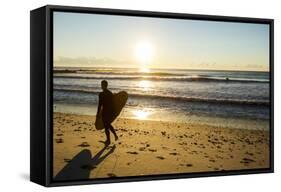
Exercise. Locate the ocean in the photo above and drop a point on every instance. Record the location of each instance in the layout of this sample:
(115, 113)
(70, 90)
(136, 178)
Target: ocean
(236, 99)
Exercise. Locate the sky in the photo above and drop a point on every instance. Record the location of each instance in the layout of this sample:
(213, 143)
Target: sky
(93, 40)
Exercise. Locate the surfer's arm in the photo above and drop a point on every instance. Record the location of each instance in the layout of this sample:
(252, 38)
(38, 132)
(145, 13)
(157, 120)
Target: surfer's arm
(99, 106)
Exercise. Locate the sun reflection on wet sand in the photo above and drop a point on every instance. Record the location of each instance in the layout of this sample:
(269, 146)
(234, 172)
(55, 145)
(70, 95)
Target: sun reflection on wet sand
(141, 114)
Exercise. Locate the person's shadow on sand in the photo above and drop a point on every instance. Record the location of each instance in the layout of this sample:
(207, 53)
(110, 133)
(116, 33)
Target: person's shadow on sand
(82, 164)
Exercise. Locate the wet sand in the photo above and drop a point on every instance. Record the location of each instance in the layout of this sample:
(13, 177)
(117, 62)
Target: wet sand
(152, 147)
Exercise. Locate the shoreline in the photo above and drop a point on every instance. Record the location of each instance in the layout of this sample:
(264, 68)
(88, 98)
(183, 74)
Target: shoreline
(148, 147)
(129, 112)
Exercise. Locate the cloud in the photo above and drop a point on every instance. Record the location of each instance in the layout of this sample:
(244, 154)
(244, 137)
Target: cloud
(86, 61)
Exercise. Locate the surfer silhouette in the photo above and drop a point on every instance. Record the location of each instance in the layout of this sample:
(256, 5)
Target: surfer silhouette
(106, 108)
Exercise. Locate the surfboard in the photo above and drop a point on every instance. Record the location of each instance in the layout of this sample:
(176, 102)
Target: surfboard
(119, 101)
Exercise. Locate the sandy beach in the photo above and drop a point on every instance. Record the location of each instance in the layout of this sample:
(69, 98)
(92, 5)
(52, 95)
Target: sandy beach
(152, 147)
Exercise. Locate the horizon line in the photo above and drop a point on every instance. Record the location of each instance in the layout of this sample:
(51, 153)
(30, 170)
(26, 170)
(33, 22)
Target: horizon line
(155, 68)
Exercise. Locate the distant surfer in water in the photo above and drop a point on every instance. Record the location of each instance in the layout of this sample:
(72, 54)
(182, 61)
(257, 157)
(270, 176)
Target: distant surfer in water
(107, 112)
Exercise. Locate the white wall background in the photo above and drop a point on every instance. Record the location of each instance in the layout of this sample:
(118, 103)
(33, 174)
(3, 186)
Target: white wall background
(14, 95)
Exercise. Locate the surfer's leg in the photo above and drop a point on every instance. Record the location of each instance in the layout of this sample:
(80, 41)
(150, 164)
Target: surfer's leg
(113, 131)
(107, 133)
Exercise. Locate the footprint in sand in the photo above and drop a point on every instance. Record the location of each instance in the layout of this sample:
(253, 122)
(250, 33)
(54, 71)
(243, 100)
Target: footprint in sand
(84, 144)
(248, 153)
(111, 175)
(160, 157)
(173, 153)
(132, 152)
(59, 140)
(246, 161)
(146, 132)
(152, 150)
(194, 152)
(141, 148)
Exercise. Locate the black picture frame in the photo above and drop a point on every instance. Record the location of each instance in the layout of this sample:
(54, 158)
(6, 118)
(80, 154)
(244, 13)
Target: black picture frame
(41, 61)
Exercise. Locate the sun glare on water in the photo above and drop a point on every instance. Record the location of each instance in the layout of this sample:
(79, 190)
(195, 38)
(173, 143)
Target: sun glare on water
(144, 84)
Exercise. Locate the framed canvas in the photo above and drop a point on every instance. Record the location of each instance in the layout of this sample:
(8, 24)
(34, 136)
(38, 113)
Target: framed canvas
(123, 95)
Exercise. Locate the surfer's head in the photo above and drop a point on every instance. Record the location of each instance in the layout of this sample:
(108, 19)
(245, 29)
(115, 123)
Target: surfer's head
(104, 84)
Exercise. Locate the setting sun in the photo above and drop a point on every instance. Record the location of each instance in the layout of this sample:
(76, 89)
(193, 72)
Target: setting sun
(144, 52)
